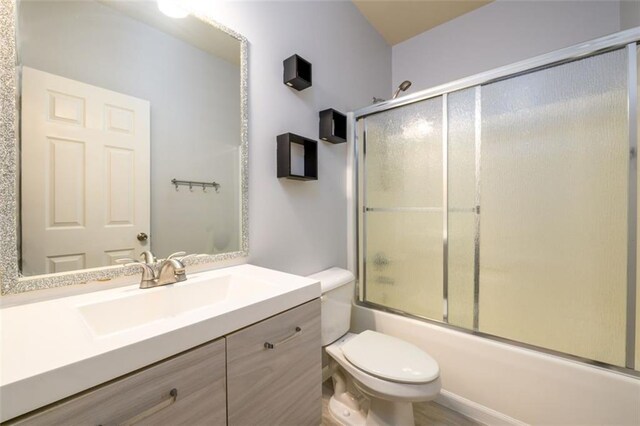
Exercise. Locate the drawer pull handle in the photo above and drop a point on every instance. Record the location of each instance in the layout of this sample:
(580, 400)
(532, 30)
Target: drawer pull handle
(268, 345)
(173, 395)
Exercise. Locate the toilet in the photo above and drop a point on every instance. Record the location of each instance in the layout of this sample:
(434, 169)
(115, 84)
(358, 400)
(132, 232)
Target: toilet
(389, 372)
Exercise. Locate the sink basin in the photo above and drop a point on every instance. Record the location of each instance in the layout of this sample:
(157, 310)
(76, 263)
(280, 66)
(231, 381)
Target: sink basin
(90, 337)
(142, 307)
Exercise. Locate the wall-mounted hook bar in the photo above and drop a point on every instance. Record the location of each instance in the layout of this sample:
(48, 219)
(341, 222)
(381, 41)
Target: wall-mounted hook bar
(190, 184)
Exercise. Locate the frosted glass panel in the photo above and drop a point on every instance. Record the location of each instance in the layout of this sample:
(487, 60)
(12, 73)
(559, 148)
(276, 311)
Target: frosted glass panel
(548, 204)
(461, 194)
(404, 175)
(404, 156)
(404, 261)
(553, 230)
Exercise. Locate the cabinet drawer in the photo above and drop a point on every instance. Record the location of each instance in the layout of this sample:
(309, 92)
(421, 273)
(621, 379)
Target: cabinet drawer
(144, 397)
(279, 385)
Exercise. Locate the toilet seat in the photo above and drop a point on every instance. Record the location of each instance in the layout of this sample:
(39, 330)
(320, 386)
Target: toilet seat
(377, 386)
(390, 358)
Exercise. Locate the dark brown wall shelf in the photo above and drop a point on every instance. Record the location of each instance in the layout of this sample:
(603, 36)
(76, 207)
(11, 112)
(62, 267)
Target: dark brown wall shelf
(297, 72)
(310, 146)
(333, 126)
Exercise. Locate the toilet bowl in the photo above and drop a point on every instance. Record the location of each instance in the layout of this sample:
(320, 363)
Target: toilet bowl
(389, 372)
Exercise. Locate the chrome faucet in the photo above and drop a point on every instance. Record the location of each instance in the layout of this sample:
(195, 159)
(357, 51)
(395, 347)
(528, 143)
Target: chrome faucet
(148, 266)
(170, 270)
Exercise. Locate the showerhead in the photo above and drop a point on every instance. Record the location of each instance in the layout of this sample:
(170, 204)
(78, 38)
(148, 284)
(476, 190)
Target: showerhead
(403, 86)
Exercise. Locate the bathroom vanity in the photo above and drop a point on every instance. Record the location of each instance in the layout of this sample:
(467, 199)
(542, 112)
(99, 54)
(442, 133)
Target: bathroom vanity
(238, 345)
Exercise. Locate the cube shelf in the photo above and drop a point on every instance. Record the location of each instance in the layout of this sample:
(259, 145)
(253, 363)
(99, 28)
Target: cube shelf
(333, 126)
(297, 72)
(297, 157)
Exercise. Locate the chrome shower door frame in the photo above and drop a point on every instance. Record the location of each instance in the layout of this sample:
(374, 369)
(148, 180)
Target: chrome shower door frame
(623, 40)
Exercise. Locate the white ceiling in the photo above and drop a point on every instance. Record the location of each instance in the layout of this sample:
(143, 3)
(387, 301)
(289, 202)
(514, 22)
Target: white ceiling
(399, 20)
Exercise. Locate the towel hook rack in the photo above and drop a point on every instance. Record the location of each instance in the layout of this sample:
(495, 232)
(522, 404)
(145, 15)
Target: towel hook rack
(191, 184)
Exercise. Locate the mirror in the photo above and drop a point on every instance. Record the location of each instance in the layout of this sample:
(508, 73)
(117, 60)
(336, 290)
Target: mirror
(131, 134)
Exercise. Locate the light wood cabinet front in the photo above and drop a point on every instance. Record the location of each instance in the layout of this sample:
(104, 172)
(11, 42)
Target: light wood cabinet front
(280, 385)
(268, 374)
(144, 397)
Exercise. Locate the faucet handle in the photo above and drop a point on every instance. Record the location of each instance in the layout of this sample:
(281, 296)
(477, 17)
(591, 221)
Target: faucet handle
(177, 254)
(189, 256)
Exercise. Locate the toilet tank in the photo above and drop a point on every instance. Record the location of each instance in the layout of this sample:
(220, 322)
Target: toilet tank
(337, 292)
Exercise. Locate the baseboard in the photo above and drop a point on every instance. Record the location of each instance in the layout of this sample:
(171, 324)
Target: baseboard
(476, 411)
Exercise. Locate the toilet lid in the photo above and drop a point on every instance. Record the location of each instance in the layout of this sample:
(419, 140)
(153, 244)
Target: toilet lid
(390, 358)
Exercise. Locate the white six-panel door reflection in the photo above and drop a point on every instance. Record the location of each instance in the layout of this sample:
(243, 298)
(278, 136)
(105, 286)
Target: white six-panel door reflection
(85, 174)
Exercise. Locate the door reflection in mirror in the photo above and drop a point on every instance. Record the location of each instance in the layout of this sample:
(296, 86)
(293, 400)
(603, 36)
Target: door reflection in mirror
(117, 100)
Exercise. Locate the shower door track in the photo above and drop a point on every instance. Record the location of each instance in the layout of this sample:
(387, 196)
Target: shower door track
(625, 39)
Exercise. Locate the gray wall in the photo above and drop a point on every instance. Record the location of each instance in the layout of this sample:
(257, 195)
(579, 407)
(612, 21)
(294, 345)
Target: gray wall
(498, 34)
(195, 110)
(300, 227)
(629, 14)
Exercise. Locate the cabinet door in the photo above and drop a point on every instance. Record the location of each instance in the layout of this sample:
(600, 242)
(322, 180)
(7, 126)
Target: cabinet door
(280, 385)
(144, 397)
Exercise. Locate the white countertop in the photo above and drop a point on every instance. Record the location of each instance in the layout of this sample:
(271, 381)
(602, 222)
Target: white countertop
(49, 352)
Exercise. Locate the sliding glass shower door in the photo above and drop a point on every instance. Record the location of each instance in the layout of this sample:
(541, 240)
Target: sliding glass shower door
(403, 209)
(463, 220)
(553, 228)
(504, 208)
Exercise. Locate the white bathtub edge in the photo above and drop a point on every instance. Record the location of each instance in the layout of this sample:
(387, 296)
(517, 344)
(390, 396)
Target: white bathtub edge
(527, 385)
(477, 412)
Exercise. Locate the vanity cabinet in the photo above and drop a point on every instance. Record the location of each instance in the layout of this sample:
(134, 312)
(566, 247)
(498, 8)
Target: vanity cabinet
(268, 373)
(274, 370)
(145, 397)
